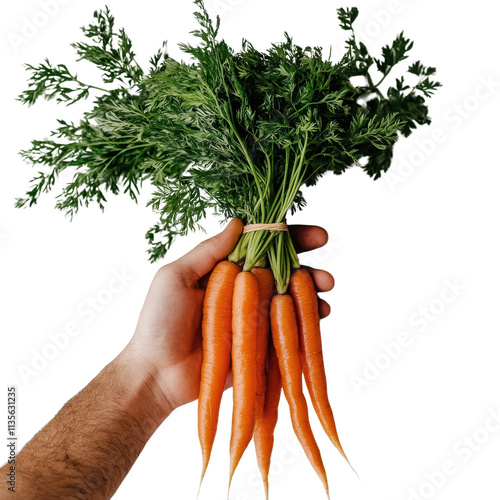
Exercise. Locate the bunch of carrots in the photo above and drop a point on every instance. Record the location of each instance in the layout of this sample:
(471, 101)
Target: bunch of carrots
(272, 340)
(238, 132)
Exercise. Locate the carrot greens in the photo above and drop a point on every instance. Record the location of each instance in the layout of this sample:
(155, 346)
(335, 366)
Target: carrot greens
(236, 132)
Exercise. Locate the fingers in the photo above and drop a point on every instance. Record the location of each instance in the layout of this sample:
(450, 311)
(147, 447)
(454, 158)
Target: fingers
(229, 379)
(324, 308)
(203, 258)
(307, 238)
(323, 280)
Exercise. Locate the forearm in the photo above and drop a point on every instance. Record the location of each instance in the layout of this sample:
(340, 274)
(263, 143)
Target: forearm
(86, 451)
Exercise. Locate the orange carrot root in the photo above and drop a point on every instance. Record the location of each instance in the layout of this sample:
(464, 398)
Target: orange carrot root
(305, 300)
(286, 341)
(265, 280)
(243, 354)
(268, 378)
(216, 331)
(266, 422)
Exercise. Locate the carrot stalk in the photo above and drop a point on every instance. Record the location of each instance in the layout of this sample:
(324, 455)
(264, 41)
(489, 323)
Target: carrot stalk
(243, 354)
(286, 341)
(305, 300)
(216, 331)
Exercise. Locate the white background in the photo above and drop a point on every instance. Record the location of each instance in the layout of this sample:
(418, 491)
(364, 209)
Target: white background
(393, 245)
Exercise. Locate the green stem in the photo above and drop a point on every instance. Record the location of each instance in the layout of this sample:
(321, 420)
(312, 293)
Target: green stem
(277, 246)
(89, 86)
(372, 86)
(239, 253)
(294, 258)
(243, 148)
(385, 75)
(261, 242)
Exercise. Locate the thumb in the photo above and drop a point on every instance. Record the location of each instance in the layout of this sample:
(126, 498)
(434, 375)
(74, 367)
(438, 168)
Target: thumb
(204, 257)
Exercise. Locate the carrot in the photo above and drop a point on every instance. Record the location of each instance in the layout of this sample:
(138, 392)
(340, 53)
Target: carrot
(266, 422)
(216, 331)
(265, 280)
(245, 308)
(266, 399)
(305, 300)
(286, 341)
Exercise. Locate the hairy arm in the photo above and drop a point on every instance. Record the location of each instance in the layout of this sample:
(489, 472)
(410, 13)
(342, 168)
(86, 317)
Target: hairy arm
(86, 451)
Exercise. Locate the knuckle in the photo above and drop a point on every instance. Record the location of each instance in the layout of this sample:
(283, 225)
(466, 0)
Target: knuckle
(165, 272)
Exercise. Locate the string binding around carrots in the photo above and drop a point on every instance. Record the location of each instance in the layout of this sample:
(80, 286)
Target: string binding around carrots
(277, 226)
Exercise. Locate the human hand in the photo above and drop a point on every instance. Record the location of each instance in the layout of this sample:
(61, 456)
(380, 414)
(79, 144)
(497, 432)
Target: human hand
(168, 341)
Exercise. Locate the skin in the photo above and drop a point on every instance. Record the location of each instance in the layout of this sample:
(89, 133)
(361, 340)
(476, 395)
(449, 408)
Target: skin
(87, 449)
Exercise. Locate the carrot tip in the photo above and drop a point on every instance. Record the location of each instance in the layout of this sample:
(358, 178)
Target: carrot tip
(354, 470)
(230, 481)
(327, 490)
(201, 479)
(339, 447)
